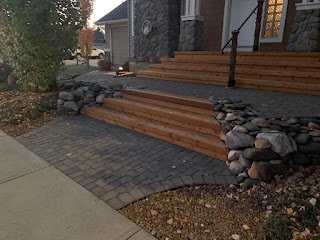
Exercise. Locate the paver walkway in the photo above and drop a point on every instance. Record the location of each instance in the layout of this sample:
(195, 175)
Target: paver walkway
(118, 165)
(38, 202)
(268, 103)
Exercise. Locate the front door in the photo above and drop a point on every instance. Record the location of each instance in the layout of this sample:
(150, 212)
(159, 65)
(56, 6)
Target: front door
(238, 11)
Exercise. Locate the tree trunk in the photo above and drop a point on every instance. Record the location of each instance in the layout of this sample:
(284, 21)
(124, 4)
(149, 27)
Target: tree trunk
(7, 68)
(87, 60)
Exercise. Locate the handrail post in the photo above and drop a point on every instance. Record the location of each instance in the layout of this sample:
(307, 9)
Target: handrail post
(233, 59)
(258, 26)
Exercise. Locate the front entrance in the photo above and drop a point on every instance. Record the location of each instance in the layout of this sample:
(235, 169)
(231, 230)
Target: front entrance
(236, 12)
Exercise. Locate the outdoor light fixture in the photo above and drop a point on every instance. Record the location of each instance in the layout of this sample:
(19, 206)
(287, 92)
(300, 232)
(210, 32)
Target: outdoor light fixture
(118, 73)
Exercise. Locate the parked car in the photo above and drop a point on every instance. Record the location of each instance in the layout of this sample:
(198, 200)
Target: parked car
(96, 53)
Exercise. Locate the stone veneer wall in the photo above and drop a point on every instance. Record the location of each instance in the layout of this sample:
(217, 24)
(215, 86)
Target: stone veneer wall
(164, 16)
(191, 36)
(305, 36)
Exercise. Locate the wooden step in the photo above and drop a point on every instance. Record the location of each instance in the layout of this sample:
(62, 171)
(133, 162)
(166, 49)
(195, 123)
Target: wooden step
(193, 121)
(292, 87)
(186, 103)
(205, 79)
(280, 54)
(248, 57)
(275, 75)
(249, 64)
(203, 143)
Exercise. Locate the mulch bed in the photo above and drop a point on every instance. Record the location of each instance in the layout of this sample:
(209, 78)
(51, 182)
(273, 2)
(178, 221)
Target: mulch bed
(213, 212)
(22, 112)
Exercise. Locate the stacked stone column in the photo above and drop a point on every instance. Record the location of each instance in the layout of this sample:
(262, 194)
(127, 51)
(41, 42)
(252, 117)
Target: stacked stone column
(305, 36)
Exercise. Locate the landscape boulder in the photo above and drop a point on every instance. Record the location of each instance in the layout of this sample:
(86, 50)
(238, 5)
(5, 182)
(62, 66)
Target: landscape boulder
(66, 96)
(281, 143)
(255, 154)
(235, 140)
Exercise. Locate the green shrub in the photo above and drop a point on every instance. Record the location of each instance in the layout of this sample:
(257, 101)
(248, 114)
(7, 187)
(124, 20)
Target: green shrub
(36, 37)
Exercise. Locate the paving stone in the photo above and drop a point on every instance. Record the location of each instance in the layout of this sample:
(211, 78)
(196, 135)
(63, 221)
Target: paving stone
(137, 194)
(199, 180)
(187, 180)
(109, 195)
(126, 198)
(98, 191)
(116, 203)
(147, 190)
(118, 169)
(209, 180)
(220, 180)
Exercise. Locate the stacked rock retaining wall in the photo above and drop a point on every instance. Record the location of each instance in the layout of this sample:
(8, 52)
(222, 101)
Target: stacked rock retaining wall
(261, 148)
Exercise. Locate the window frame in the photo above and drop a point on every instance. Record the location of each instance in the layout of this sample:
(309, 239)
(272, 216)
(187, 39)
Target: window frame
(282, 24)
(192, 10)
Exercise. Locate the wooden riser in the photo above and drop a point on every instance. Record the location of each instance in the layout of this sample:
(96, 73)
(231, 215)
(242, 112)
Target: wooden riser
(196, 122)
(203, 143)
(274, 75)
(301, 88)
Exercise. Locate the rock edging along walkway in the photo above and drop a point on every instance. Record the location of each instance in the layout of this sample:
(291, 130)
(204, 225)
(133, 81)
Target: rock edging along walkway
(118, 165)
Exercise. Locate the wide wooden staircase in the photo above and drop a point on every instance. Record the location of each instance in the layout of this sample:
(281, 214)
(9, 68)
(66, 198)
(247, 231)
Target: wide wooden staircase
(184, 121)
(276, 71)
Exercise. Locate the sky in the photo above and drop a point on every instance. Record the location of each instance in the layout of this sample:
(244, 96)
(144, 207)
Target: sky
(103, 7)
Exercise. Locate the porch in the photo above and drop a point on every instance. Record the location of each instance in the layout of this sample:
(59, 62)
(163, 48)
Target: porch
(291, 72)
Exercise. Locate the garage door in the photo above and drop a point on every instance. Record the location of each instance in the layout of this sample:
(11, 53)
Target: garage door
(120, 45)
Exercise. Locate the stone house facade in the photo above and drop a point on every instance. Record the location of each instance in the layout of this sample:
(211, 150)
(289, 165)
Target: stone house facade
(157, 28)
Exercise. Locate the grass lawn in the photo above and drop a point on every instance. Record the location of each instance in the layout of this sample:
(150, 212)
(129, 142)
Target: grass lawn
(77, 69)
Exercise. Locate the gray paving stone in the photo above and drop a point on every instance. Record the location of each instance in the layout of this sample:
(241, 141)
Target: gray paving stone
(126, 198)
(98, 191)
(123, 159)
(116, 203)
(109, 195)
(137, 194)
(220, 180)
(209, 180)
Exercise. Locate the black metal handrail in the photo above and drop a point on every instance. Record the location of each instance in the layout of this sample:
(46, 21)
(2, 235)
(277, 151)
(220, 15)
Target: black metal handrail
(245, 21)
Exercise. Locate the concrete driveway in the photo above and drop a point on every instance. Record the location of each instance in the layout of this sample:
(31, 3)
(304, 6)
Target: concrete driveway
(38, 202)
(92, 62)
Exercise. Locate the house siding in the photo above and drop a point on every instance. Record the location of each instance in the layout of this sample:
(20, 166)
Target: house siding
(120, 45)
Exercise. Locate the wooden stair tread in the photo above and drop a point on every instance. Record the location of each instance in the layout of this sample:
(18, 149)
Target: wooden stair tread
(198, 141)
(184, 76)
(279, 63)
(239, 70)
(239, 80)
(171, 98)
(179, 116)
(167, 104)
(271, 85)
(292, 54)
